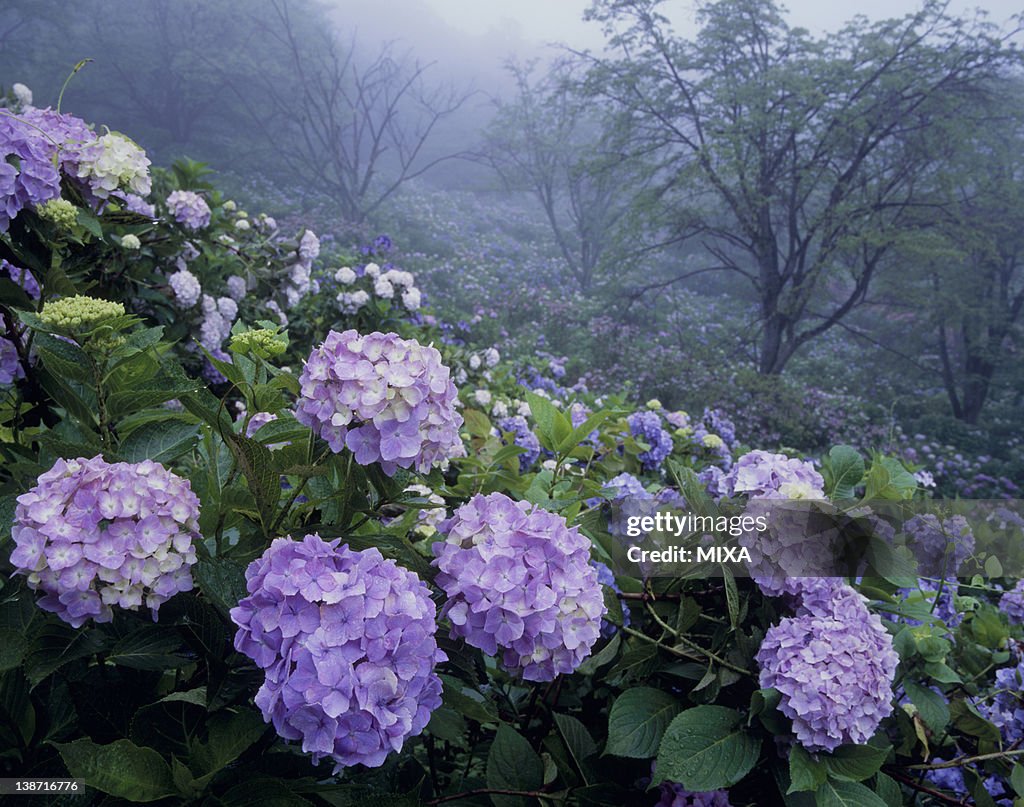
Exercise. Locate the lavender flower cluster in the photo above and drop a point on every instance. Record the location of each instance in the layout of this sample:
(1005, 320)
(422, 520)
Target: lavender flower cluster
(646, 427)
(519, 580)
(523, 437)
(388, 399)
(833, 664)
(346, 640)
(673, 794)
(1012, 603)
(93, 534)
(762, 474)
(38, 145)
(941, 546)
(189, 209)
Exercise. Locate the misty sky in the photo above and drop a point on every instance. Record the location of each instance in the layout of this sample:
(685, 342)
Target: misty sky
(561, 20)
(472, 39)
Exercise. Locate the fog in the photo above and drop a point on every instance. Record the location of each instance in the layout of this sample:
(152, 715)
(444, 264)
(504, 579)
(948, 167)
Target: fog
(603, 194)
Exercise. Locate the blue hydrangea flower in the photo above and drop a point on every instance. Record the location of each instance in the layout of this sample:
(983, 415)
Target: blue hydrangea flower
(519, 581)
(833, 664)
(346, 640)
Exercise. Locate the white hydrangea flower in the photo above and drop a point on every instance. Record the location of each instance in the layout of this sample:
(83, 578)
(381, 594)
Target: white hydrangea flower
(116, 162)
(474, 362)
(22, 93)
(131, 241)
(523, 408)
(242, 224)
(309, 247)
(411, 299)
(371, 270)
(482, 397)
(345, 276)
(383, 288)
(491, 356)
(230, 205)
(500, 409)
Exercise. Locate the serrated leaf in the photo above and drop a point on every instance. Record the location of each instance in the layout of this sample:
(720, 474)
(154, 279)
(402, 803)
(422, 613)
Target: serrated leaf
(930, 705)
(855, 763)
(147, 648)
(845, 468)
(805, 772)
(512, 764)
(637, 722)
(707, 748)
(121, 769)
(160, 441)
(846, 794)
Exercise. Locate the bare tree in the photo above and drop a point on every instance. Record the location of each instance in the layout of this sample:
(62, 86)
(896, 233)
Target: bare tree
(571, 154)
(357, 126)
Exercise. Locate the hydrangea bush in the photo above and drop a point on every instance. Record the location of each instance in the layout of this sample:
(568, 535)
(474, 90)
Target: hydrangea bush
(184, 383)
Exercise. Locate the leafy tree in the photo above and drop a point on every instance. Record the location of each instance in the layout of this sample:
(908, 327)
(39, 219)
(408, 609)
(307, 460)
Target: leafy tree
(793, 159)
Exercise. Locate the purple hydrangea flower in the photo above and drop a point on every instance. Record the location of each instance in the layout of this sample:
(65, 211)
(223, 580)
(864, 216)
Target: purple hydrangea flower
(519, 580)
(940, 546)
(136, 204)
(673, 794)
(93, 534)
(189, 209)
(389, 400)
(833, 664)
(646, 427)
(1012, 603)
(523, 437)
(762, 474)
(29, 168)
(346, 640)
(186, 288)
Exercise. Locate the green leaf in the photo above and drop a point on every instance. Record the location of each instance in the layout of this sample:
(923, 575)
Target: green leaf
(889, 790)
(512, 764)
(707, 748)
(477, 423)
(160, 441)
(576, 737)
(854, 763)
(13, 647)
(967, 718)
(121, 769)
(638, 720)
(805, 772)
(467, 701)
(1017, 779)
(888, 479)
(606, 655)
(581, 432)
(553, 427)
(229, 733)
(222, 582)
(930, 705)
(844, 471)
(148, 648)
(846, 794)
(257, 464)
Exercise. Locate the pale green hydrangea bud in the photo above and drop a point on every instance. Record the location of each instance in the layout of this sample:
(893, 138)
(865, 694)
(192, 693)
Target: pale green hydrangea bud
(131, 241)
(263, 342)
(60, 211)
(712, 441)
(79, 312)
